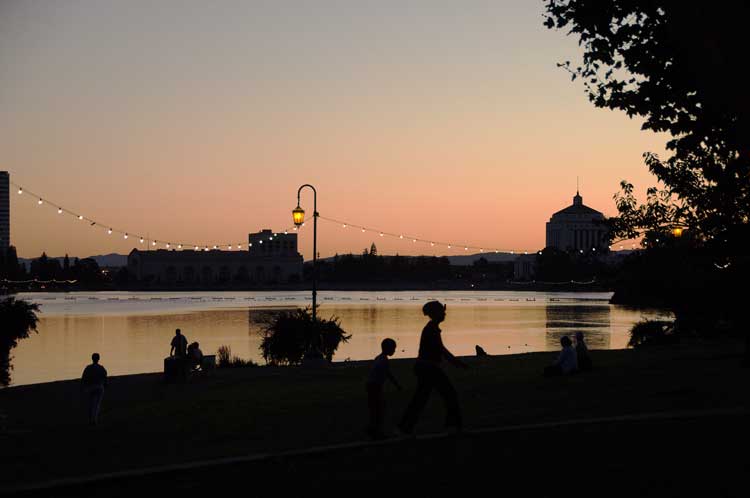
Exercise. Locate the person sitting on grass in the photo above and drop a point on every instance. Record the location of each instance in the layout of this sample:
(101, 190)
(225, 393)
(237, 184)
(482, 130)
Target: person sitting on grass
(582, 353)
(380, 371)
(194, 354)
(566, 363)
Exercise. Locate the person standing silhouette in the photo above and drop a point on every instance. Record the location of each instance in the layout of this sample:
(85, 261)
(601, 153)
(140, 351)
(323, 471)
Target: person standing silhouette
(179, 345)
(93, 382)
(430, 375)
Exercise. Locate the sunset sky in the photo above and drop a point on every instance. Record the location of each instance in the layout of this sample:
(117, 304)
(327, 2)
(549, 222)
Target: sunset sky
(197, 121)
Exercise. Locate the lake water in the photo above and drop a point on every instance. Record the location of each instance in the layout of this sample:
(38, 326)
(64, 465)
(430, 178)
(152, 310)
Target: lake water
(132, 330)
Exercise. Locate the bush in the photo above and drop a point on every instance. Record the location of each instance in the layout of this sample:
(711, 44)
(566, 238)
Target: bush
(226, 360)
(17, 319)
(289, 335)
(650, 332)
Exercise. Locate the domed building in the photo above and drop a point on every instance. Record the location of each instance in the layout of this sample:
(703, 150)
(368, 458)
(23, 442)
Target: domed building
(577, 228)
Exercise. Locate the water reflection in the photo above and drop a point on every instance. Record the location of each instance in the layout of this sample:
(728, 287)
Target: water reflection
(592, 320)
(133, 334)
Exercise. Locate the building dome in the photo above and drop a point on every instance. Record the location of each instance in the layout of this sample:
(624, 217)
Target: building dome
(577, 228)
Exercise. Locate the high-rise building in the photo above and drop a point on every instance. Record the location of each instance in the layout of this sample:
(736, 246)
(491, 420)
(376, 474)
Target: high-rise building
(4, 210)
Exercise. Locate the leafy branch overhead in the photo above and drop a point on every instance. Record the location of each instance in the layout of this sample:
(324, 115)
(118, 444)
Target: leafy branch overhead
(677, 66)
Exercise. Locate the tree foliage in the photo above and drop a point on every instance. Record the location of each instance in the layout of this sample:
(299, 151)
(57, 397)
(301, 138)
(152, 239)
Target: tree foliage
(289, 335)
(676, 65)
(17, 319)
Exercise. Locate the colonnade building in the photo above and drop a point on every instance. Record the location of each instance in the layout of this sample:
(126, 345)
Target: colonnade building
(577, 228)
(270, 258)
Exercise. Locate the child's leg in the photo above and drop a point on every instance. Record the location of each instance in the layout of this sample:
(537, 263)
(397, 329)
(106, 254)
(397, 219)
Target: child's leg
(418, 402)
(450, 398)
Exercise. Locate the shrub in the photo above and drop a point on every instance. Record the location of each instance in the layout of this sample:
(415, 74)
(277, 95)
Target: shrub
(226, 360)
(289, 335)
(649, 332)
(17, 319)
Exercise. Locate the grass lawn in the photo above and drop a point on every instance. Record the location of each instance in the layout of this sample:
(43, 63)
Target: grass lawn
(145, 422)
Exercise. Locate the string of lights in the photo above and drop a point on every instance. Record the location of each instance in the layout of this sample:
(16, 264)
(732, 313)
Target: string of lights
(163, 243)
(142, 239)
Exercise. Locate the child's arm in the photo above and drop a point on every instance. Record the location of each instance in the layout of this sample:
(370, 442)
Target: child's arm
(393, 379)
(450, 357)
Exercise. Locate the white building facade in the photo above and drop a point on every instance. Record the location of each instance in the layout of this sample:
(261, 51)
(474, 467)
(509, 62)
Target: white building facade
(577, 228)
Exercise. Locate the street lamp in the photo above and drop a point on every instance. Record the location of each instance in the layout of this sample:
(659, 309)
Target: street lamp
(677, 232)
(298, 215)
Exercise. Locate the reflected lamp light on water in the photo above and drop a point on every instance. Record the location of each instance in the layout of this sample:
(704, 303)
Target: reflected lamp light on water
(298, 215)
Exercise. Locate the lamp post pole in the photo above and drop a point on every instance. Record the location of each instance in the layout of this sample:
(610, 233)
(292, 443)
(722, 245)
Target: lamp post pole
(299, 218)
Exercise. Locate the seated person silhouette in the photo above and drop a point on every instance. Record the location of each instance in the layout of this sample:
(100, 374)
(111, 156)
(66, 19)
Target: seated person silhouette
(582, 353)
(194, 355)
(567, 361)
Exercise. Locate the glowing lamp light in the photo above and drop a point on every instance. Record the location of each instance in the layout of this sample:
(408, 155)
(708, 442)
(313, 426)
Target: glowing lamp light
(166, 245)
(141, 240)
(80, 217)
(466, 248)
(677, 232)
(125, 236)
(229, 247)
(179, 246)
(153, 243)
(59, 210)
(363, 230)
(215, 247)
(39, 202)
(381, 234)
(343, 226)
(20, 191)
(196, 248)
(109, 232)
(298, 216)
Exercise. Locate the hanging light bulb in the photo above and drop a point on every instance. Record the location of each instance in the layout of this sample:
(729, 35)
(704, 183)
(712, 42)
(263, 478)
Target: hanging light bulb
(20, 190)
(39, 202)
(109, 232)
(363, 230)
(260, 241)
(166, 245)
(125, 236)
(343, 226)
(466, 248)
(80, 217)
(229, 247)
(141, 240)
(381, 234)
(59, 210)
(239, 246)
(250, 244)
(432, 244)
(179, 246)
(215, 247)
(400, 236)
(413, 240)
(153, 243)
(449, 246)
(196, 248)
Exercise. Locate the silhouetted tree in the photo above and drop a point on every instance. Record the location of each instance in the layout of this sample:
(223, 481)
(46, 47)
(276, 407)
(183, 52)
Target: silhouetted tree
(675, 64)
(18, 318)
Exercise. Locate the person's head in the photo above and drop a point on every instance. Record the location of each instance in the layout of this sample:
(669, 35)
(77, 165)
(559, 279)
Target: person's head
(579, 337)
(388, 346)
(565, 341)
(177, 332)
(435, 310)
(95, 357)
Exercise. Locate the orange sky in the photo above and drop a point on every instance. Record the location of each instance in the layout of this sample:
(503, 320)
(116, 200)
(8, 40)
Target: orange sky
(198, 122)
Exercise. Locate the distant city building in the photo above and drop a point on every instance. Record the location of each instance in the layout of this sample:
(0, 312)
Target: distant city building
(4, 210)
(524, 267)
(577, 228)
(269, 259)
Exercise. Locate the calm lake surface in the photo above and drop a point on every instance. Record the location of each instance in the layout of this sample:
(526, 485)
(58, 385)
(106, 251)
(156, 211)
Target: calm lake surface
(132, 330)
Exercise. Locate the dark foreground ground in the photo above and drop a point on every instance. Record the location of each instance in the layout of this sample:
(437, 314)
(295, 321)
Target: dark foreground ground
(659, 422)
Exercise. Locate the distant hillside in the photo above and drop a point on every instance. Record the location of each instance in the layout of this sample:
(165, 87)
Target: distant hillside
(111, 260)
